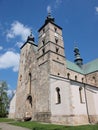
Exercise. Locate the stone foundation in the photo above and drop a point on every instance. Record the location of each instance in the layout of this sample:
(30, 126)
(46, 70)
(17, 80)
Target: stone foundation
(11, 116)
(93, 119)
(70, 120)
(43, 117)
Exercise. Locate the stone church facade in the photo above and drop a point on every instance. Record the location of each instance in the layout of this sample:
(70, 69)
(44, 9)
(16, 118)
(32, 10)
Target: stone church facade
(50, 87)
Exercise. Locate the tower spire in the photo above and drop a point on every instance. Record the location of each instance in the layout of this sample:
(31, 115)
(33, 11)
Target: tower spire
(30, 32)
(78, 60)
(49, 17)
(49, 13)
(31, 37)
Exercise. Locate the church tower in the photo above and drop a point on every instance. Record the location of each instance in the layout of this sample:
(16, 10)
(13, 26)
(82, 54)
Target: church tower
(43, 87)
(25, 93)
(53, 85)
(51, 47)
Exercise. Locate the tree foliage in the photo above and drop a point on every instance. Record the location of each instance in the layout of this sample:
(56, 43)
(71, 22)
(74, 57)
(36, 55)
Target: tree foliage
(4, 100)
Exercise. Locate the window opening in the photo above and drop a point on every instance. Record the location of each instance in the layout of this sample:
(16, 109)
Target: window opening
(58, 73)
(43, 50)
(43, 41)
(94, 79)
(58, 99)
(82, 95)
(82, 80)
(75, 78)
(55, 29)
(30, 82)
(68, 75)
(20, 77)
(29, 98)
(57, 49)
(56, 40)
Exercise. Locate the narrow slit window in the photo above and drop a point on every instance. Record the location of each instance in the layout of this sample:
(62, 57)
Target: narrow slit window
(43, 50)
(43, 41)
(57, 49)
(55, 29)
(75, 78)
(58, 96)
(94, 79)
(82, 80)
(56, 40)
(82, 95)
(20, 77)
(30, 76)
(68, 75)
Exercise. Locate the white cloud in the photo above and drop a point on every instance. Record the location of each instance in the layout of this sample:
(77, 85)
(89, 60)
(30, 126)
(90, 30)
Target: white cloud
(18, 29)
(9, 59)
(1, 47)
(96, 9)
(19, 44)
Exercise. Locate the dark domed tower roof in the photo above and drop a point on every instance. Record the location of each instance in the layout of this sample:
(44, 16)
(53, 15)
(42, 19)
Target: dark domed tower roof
(78, 60)
(30, 38)
(49, 19)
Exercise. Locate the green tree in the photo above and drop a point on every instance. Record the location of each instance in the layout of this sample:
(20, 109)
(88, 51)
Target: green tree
(4, 100)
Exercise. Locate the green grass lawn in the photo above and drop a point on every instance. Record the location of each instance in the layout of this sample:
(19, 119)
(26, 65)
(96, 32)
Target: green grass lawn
(41, 126)
(6, 120)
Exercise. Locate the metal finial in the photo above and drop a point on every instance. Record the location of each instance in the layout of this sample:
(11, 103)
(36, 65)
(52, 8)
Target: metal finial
(49, 14)
(30, 32)
(49, 11)
(78, 60)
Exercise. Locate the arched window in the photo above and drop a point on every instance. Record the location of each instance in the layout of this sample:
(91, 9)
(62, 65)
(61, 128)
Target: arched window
(56, 40)
(82, 95)
(68, 75)
(75, 78)
(57, 49)
(82, 80)
(55, 29)
(20, 77)
(43, 50)
(58, 96)
(58, 73)
(94, 79)
(43, 41)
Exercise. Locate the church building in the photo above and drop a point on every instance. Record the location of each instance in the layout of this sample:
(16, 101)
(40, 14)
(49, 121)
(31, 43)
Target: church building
(50, 87)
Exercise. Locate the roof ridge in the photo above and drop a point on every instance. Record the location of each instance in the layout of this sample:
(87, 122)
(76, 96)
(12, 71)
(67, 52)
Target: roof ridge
(90, 67)
(90, 61)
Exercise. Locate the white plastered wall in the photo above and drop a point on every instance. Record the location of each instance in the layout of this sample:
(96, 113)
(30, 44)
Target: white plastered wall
(78, 107)
(92, 99)
(64, 107)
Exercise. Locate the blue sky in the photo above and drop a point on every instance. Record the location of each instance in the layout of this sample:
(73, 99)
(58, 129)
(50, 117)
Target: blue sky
(78, 18)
